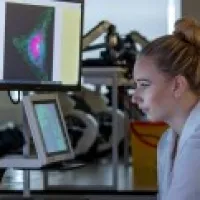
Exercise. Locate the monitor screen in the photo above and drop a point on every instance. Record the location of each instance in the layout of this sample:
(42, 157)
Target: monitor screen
(40, 44)
(51, 128)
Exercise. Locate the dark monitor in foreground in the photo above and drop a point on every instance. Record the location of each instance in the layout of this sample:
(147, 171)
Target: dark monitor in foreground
(40, 44)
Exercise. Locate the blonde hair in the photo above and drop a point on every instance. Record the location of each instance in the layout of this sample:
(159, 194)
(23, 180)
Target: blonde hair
(179, 53)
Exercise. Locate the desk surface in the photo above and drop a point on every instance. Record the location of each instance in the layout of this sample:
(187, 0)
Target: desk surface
(56, 167)
(105, 71)
(104, 75)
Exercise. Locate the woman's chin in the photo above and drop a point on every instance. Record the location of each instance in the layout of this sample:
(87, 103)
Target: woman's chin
(152, 118)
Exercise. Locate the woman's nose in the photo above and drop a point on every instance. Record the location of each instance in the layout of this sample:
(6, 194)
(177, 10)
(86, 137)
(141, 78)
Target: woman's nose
(136, 99)
(133, 99)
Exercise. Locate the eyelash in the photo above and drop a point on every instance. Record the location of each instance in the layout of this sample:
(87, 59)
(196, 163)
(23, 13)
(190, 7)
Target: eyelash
(142, 85)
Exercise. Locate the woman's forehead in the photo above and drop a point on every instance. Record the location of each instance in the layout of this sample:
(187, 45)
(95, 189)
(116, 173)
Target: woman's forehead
(145, 68)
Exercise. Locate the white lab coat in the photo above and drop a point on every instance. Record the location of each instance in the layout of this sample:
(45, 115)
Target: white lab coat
(182, 181)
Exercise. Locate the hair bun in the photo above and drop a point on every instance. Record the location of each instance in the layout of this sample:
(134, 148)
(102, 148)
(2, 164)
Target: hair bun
(188, 29)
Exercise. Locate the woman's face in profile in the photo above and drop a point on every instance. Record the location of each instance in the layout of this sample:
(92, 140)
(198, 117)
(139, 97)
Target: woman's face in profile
(153, 94)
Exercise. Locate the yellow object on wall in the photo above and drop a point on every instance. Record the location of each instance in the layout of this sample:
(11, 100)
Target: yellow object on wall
(144, 140)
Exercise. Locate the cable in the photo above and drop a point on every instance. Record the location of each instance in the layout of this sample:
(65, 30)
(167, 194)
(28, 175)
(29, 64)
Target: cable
(13, 100)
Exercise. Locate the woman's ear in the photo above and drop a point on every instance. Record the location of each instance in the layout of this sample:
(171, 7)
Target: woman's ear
(180, 85)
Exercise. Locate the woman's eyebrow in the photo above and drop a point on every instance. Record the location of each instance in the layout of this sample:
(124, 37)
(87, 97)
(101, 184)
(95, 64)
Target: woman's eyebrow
(142, 80)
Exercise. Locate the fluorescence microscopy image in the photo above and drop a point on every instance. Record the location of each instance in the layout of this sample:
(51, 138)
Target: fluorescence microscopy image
(29, 36)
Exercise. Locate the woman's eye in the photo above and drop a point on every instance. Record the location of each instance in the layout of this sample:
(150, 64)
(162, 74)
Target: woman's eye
(144, 85)
(137, 85)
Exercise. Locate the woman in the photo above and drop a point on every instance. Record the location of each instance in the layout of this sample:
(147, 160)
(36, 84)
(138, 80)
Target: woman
(167, 76)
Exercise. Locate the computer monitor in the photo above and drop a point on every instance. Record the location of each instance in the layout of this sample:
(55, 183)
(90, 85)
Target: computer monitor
(40, 44)
(48, 128)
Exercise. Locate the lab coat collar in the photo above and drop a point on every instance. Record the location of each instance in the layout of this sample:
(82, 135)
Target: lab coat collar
(166, 146)
(190, 126)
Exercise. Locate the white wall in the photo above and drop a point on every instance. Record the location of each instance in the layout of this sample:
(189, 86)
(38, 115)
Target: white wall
(149, 17)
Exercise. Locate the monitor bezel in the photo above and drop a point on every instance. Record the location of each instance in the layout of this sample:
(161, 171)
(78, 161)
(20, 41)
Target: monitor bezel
(43, 155)
(49, 85)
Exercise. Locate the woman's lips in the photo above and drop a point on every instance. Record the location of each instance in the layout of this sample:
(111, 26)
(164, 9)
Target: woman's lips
(144, 110)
